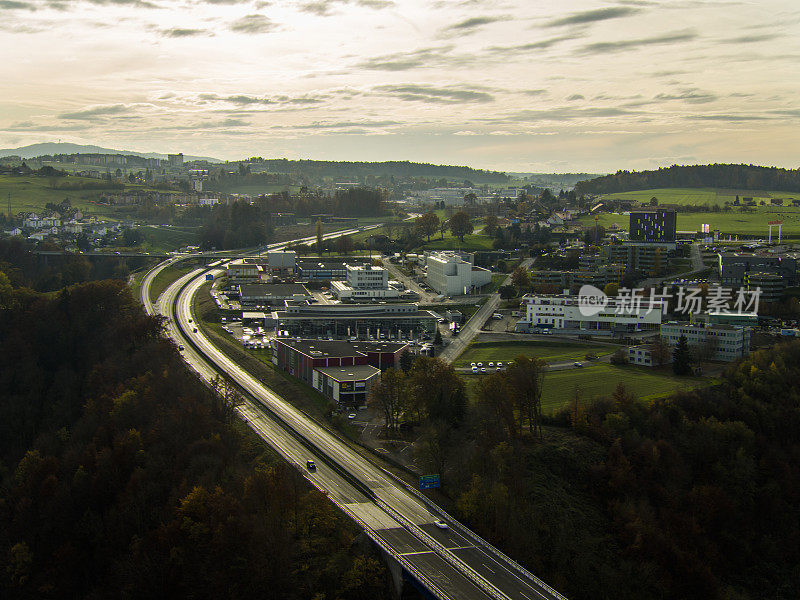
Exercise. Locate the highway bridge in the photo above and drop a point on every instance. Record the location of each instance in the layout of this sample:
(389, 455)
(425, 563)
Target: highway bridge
(447, 564)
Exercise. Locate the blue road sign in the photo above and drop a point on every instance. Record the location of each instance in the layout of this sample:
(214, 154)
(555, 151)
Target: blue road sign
(427, 482)
(209, 276)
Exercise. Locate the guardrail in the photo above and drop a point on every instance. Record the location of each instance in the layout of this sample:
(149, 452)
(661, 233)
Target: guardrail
(417, 531)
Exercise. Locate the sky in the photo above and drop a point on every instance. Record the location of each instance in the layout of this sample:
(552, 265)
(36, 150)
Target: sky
(513, 85)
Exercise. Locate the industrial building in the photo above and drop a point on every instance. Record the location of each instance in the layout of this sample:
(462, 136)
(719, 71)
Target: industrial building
(451, 275)
(342, 371)
(355, 320)
(271, 294)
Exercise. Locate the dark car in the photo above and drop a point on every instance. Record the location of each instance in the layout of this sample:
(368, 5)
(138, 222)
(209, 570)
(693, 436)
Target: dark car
(310, 465)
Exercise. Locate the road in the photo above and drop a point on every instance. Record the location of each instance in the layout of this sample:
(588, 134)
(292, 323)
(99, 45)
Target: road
(697, 267)
(471, 328)
(452, 563)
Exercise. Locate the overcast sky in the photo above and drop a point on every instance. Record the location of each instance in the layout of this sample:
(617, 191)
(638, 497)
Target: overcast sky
(516, 85)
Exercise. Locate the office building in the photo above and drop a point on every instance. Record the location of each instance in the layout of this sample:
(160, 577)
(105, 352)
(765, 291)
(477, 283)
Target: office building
(365, 282)
(565, 313)
(271, 294)
(734, 266)
(653, 225)
(718, 342)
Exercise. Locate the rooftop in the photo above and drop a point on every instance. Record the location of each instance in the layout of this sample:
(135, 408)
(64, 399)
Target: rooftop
(273, 289)
(339, 348)
(352, 373)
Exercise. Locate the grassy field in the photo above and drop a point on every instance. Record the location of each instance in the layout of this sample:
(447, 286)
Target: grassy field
(474, 241)
(552, 352)
(601, 379)
(694, 196)
(163, 239)
(31, 194)
(733, 222)
(164, 278)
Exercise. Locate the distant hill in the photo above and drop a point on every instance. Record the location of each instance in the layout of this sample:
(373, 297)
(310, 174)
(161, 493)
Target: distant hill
(348, 171)
(49, 149)
(743, 177)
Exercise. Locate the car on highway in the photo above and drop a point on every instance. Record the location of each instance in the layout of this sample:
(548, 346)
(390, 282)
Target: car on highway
(441, 524)
(577, 364)
(181, 348)
(194, 329)
(310, 465)
(190, 320)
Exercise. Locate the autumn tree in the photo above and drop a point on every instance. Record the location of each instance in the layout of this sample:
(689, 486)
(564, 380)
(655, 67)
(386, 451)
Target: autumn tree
(521, 278)
(526, 380)
(460, 225)
(427, 224)
(344, 244)
(390, 395)
(319, 236)
(436, 391)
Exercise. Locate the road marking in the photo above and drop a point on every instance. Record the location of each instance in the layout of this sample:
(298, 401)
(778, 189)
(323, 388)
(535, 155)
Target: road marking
(489, 568)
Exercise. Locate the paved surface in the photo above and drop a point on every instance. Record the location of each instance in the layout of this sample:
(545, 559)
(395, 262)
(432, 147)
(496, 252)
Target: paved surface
(471, 328)
(452, 563)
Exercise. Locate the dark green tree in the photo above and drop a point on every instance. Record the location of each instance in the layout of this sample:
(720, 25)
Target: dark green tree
(682, 357)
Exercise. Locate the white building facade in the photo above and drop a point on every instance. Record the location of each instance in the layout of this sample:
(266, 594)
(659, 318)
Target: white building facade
(723, 342)
(449, 274)
(364, 282)
(618, 315)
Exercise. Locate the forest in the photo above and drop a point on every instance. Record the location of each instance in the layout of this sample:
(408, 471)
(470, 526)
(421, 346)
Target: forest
(349, 171)
(743, 177)
(121, 475)
(236, 225)
(355, 202)
(693, 496)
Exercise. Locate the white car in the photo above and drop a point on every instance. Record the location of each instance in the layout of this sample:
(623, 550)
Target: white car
(473, 364)
(499, 365)
(480, 364)
(474, 369)
(351, 416)
(491, 364)
(441, 524)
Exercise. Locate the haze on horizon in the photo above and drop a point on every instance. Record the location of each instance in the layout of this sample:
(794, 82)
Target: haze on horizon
(513, 85)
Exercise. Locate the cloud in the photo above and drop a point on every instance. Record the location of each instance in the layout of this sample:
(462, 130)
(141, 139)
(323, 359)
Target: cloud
(751, 39)
(247, 100)
(608, 47)
(593, 16)
(404, 61)
(469, 25)
(691, 96)
(181, 33)
(340, 125)
(574, 97)
(93, 112)
(325, 8)
(538, 45)
(253, 24)
(566, 113)
(732, 118)
(15, 5)
(433, 95)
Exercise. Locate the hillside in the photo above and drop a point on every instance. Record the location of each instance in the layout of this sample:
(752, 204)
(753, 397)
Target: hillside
(742, 177)
(51, 149)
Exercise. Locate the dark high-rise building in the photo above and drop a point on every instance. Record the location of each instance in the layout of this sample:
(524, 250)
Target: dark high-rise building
(653, 225)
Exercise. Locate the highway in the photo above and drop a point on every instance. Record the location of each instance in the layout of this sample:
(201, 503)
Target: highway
(451, 563)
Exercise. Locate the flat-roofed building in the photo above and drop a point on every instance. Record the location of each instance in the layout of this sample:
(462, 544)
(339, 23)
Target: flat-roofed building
(356, 320)
(771, 285)
(271, 294)
(450, 274)
(718, 342)
(567, 313)
(734, 267)
(341, 370)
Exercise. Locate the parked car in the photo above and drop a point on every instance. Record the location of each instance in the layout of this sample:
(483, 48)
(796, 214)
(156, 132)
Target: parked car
(577, 364)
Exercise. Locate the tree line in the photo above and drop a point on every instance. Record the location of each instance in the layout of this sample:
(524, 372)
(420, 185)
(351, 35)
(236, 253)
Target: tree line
(745, 177)
(689, 496)
(121, 475)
